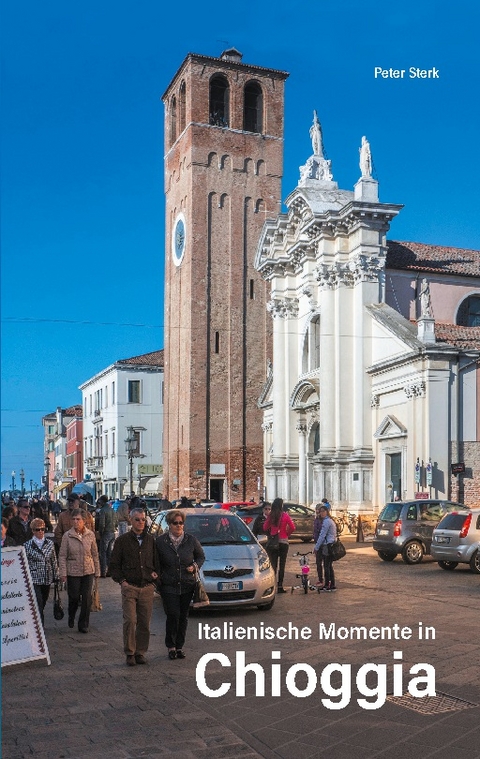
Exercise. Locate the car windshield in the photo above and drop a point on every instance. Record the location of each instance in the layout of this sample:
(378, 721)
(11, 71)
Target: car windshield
(216, 529)
(391, 512)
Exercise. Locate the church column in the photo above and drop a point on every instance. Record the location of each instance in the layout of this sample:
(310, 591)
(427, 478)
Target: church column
(328, 377)
(278, 392)
(301, 428)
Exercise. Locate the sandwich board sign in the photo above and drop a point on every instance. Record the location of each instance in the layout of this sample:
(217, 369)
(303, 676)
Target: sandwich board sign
(23, 637)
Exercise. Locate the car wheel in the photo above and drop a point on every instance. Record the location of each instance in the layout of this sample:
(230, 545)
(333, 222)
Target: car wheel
(266, 607)
(448, 565)
(475, 563)
(386, 556)
(413, 552)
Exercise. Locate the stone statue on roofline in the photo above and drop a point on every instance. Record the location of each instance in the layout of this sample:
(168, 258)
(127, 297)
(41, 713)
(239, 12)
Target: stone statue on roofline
(317, 167)
(316, 135)
(365, 158)
(425, 300)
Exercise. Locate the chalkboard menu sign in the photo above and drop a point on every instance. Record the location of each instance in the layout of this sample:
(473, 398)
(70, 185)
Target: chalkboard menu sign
(23, 638)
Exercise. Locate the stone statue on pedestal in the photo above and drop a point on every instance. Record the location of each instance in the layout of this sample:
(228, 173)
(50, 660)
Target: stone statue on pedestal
(365, 158)
(425, 300)
(316, 135)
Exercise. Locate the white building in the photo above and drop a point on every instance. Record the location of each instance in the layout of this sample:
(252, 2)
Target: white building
(128, 395)
(374, 390)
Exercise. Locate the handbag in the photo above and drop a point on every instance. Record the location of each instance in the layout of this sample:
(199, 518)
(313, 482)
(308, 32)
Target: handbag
(337, 550)
(200, 596)
(58, 612)
(96, 604)
(273, 542)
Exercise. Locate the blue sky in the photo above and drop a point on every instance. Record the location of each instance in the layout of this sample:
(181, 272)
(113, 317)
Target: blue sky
(82, 160)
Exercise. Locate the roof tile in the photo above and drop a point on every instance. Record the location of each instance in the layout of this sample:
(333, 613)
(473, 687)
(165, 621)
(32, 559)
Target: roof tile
(155, 358)
(417, 256)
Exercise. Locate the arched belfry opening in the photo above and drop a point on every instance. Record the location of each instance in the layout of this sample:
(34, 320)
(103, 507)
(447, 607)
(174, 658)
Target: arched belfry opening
(183, 106)
(173, 120)
(253, 108)
(219, 101)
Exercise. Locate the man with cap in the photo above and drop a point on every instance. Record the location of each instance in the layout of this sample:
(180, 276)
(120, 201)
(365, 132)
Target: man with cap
(19, 526)
(65, 521)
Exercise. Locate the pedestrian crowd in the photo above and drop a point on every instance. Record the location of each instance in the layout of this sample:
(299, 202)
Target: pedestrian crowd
(116, 543)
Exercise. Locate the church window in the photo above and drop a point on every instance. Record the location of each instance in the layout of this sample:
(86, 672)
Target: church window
(173, 120)
(311, 346)
(252, 291)
(217, 342)
(182, 104)
(219, 101)
(469, 312)
(315, 439)
(253, 107)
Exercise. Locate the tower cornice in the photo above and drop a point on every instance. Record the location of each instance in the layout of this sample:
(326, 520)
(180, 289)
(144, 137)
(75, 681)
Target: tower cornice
(225, 64)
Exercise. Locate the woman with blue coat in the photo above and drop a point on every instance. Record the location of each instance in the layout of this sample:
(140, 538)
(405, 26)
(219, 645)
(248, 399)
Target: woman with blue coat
(327, 536)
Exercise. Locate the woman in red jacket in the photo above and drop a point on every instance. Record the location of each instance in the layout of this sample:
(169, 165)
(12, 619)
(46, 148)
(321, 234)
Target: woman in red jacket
(278, 523)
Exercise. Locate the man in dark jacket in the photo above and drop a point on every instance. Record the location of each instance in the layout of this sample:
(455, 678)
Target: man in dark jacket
(133, 565)
(19, 527)
(107, 522)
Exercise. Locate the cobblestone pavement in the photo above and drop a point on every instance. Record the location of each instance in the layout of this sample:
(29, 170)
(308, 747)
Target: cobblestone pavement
(89, 705)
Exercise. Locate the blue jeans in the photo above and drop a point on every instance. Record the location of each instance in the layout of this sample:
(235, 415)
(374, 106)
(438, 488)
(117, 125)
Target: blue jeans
(106, 545)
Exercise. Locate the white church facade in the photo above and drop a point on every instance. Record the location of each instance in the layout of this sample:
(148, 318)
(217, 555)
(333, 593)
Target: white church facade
(374, 388)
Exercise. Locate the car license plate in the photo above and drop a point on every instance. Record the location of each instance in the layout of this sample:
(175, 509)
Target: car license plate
(441, 539)
(230, 585)
(382, 532)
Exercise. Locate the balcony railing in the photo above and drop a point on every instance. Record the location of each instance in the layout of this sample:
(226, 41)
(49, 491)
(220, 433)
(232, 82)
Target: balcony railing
(95, 463)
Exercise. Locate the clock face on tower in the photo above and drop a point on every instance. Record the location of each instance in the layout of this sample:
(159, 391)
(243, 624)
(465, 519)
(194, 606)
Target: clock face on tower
(179, 239)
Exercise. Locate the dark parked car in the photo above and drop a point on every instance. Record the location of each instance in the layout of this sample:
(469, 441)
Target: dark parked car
(406, 528)
(302, 517)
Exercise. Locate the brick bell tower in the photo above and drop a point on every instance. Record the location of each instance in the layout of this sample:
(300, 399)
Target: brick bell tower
(223, 170)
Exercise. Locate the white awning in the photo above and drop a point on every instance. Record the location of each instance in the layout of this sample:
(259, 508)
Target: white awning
(153, 486)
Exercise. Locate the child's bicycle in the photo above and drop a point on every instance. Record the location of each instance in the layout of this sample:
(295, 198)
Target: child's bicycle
(305, 572)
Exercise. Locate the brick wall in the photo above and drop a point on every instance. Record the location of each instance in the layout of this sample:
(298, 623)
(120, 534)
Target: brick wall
(465, 488)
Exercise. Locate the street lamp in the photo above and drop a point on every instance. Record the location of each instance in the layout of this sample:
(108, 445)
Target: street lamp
(131, 445)
(13, 481)
(31, 488)
(47, 477)
(22, 481)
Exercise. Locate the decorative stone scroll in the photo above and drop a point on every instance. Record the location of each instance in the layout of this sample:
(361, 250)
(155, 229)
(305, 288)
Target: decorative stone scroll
(360, 269)
(267, 426)
(374, 401)
(283, 308)
(301, 427)
(415, 389)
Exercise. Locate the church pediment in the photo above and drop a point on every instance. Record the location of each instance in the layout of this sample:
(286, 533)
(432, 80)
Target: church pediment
(389, 428)
(305, 394)
(265, 399)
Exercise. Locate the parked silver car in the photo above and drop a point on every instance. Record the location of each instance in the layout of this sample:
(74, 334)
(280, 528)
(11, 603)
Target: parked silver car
(237, 570)
(456, 540)
(406, 528)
